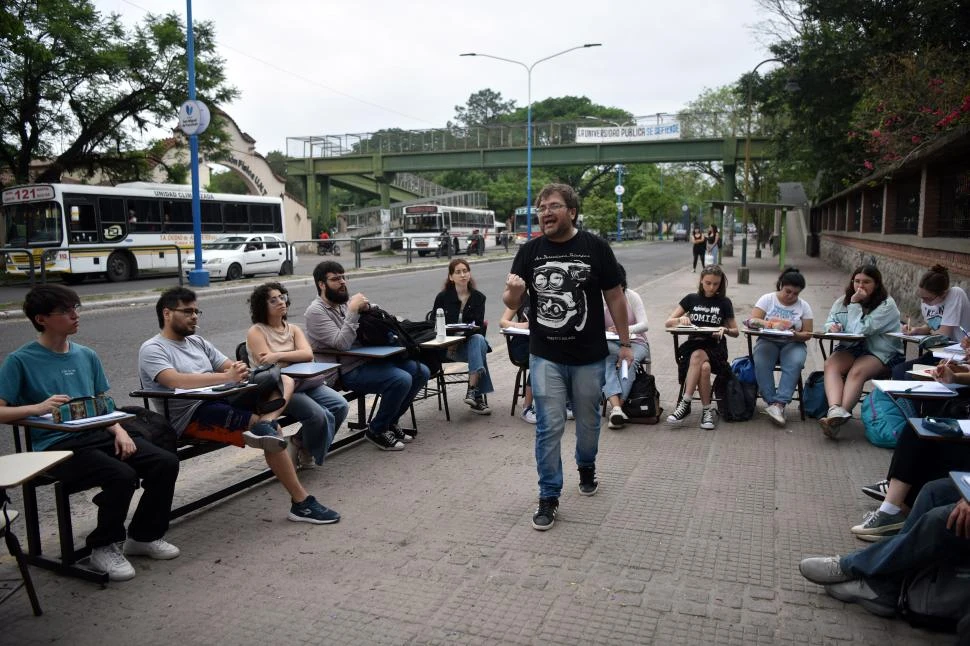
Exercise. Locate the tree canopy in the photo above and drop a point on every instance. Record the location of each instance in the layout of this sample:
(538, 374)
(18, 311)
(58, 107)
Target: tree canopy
(79, 90)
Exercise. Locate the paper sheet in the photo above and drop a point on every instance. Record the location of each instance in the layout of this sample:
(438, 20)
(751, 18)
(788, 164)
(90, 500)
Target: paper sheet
(624, 369)
(97, 418)
(916, 387)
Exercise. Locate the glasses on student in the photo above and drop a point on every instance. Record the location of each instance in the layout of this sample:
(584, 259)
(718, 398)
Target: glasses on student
(188, 311)
(67, 311)
(276, 300)
(337, 279)
(551, 208)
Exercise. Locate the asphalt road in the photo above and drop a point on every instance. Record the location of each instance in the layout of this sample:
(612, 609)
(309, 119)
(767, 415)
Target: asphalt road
(116, 333)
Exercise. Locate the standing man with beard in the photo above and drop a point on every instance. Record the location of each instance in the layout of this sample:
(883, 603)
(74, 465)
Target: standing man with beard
(331, 324)
(567, 272)
(179, 358)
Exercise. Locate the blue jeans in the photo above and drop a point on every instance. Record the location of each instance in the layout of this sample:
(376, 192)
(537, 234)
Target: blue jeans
(553, 384)
(473, 351)
(790, 356)
(923, 540)
(397, 382)
(613, 384)
(320, 411)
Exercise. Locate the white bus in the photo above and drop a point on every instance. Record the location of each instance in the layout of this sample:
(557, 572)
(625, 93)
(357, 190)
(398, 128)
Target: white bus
(424, 223)
(78, 230)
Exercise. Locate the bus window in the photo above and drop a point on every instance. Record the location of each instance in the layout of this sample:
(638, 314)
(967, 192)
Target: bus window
(236, 217)
(211, 217)
(261, 217)
(148, 219)
(82, 222)
(114, 218)
(177, 216)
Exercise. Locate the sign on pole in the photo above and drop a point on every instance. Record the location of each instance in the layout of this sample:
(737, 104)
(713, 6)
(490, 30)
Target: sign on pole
(194, 117)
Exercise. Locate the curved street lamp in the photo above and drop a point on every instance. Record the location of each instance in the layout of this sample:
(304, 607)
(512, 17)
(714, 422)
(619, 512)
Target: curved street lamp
(528, 154)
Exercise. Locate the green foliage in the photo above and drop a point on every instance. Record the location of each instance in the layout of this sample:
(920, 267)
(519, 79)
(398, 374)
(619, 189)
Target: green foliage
(599, 214)
(227, 182)
(294, 185)
(483, 107)
(70, 74)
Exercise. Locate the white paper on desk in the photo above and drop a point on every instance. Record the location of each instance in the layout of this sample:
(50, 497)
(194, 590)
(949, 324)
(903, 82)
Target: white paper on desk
(612, 336)
(768, 330)
(624, 369)
(516, 330)
(96, 418)
(907, 337)
(952, 356)
(904, 386)
(201, 389)
(922, 371)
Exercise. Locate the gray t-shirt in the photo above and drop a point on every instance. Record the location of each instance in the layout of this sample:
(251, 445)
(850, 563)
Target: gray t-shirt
(193, 355)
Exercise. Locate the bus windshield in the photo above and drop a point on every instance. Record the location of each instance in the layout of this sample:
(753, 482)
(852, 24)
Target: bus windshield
(422, 223)
(36, 223)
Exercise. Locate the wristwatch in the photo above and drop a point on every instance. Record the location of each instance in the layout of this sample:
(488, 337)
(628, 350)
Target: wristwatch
(625, 345)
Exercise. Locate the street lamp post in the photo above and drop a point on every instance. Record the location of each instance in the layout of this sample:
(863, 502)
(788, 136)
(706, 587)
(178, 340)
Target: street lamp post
(619, 190)
(528, 136)
(743, 269)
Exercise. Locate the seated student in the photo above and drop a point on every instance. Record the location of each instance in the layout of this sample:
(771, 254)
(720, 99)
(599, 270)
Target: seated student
(703, 354)
(178, 358)
(867, 309)
(331, 324)
(462, 303)
(519, 352)
(945, 309)
(937, 530)
(782, 309)
(615, 389)
(40, 376)
(272, 340)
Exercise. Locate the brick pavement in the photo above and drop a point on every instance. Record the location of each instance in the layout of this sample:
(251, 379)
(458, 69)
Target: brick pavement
(694, 536)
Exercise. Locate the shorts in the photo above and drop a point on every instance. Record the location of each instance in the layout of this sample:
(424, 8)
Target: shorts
(860, 350)
(221, 414)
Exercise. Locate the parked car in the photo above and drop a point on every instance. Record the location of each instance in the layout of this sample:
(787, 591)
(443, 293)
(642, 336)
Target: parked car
(680, 234)
(232, 257)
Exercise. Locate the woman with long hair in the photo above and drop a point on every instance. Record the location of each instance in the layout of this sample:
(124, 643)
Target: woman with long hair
(462, 303)
(713, 240)
(271, 339)
(698, 246)
(866, 308)
(616, 389)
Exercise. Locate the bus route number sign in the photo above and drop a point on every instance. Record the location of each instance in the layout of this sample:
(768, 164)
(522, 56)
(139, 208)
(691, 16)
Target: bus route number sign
(28, 194)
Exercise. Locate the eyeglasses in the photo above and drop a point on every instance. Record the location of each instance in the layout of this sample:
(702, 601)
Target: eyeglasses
(188, 311)
(551, 207)
(276, 300)
(338, 279)
(67, 311)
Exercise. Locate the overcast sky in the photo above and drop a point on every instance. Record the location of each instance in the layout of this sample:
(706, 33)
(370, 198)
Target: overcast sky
(318, 67)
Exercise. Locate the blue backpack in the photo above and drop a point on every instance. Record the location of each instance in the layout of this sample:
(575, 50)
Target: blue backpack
(813, 395)
(885, 418)
(743, 369)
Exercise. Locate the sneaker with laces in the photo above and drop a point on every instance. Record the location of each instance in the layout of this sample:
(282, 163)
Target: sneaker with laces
(823, 570)
(709, 418)
(877, 491)
(682, 411)
(266, 436)
(528, 415)
(587, 481)
(618, 418)
(776, 413)
(471, 395)
(480, 407)
(310, 511)
(384, 440)
(834, 418)
(402, 436)
(879, 524)
(157, 549)
(110, 560)
(860, 592)
(569, 411)
(545, 516)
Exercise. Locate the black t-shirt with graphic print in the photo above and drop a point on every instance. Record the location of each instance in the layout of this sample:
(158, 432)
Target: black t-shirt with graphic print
(706, 311)
(566, 281)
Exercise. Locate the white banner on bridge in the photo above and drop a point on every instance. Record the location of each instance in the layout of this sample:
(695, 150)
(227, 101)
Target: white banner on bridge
(612, 134)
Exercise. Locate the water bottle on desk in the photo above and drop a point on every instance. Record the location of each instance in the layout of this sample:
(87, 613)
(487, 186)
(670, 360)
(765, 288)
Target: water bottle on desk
(441, 331)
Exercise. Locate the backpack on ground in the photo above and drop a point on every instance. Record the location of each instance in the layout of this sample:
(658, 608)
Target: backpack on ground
(743, 369)
(937, 596)
(736, 399)
(150, 425)
(813, 396)
(884, 418)
(642, 405)
(377, 327)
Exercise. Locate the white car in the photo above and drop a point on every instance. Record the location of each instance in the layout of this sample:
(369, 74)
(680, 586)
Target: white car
(232, 257)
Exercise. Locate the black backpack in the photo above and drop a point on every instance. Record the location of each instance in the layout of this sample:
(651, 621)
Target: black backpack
(642, 405)
(937, 596)
(150, 425)
(736, 399)
(377, 327)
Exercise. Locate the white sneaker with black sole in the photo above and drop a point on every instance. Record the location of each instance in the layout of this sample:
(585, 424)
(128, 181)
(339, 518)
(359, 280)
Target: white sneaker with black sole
(618, 418)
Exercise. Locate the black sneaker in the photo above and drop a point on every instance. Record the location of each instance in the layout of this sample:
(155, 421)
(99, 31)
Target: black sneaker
(877, 491)
(587, 481)
(471, 395)
(310, 511)
(682, 411)
(480, 407)
(385, 440)
(545, 516)
(402, 436)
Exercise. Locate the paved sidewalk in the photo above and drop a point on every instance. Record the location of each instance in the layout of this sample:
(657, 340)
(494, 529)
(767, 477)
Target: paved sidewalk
(693, 538)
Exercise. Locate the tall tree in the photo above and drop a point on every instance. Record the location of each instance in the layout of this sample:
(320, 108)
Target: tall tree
(483, 108)
(71, 77)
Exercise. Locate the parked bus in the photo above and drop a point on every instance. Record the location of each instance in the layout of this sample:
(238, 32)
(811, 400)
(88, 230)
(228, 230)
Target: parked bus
(521, 232)
(424, 223)
(79, 230)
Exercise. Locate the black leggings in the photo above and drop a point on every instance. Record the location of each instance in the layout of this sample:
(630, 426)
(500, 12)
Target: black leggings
(699, 250)
(917, 461)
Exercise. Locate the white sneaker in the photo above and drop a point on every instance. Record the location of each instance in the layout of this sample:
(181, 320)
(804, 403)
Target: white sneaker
(776, 413)
(109, 559)
(569, 412)
(618, 418)
(528, 415)
(157, 549)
